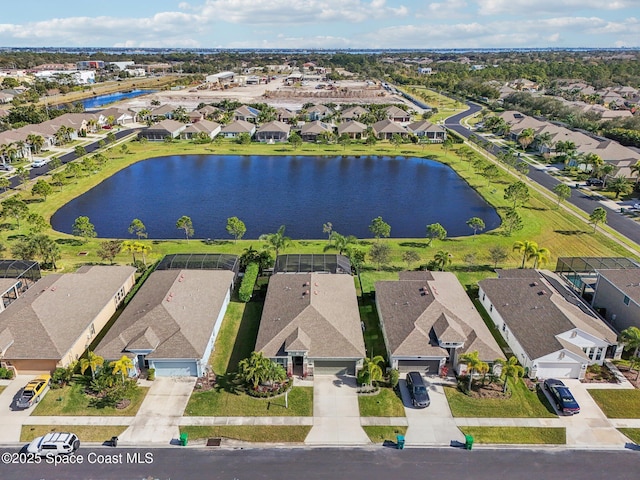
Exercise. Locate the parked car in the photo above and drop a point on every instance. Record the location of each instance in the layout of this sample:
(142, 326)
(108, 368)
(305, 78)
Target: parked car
(417, 390)
(562, 396)
(594, 182)
(38, 163)
(7, 167)
(55, 443)
(33, 391)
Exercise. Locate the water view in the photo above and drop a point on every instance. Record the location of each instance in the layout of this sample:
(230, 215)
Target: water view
(265, 192)
(101, 100)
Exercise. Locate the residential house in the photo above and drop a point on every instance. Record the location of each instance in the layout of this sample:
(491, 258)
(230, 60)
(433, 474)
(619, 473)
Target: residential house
(310, 324)
(353, 113)
(160, 131)
(172, 322)
(396, 114)
(617, 297)
(424, 129)
(318, 112)
(16, 276)
(386, 129)
(120, 116)
(211, 129)
(273, 132)
(235, 129)
(246, 114)
(285, 115)
(550, 330)
(52, 323)
(162, 112)
(210, 112)
(353, 128)
(428, 321)
(195, 116)
(311, 131)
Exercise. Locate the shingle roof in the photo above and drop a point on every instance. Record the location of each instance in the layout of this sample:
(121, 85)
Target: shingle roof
(352, 126)
(275, 126)
(173, 314)
(387, 126)
(316, 310)
(239, 126)
(627, 281)
(170, 126)
(424, 126)
(47, 320)
(316, 127)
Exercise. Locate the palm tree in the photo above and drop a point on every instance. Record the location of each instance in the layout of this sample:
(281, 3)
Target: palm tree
(255, 369)
(474, 365)
(442, 258)
(122, 366)
(526, 137)
(92, 361)
(341, 242)
(510, 369)
(635, 170)
(276, 241)
(540, 256)
(631, 338)
(544, 140)
(525, 247)
(372, 371)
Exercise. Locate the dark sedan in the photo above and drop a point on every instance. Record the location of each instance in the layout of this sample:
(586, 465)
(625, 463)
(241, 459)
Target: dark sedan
(562, 396)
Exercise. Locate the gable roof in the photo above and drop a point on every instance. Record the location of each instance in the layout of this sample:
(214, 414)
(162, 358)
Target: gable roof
(422, 308)
(239, 126)
(162, 110)
(425, 126)
(392, 111)
(317, 311)
(172, 315)
(275, 126)
(627, 281)
(50, 317)
(387, 126)
(246, 111)
(351, 126)
(316, 127)
(537, 308)
(168, 125)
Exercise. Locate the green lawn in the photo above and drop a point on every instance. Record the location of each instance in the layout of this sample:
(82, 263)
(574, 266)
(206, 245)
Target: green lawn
(251, 433)
(632, 433)
(86, 433)
(373, 339)
(522, 403)
(617, 403)
(517, 435)
(385, 404)
(380, 434)
(71, 401)
(221, 402)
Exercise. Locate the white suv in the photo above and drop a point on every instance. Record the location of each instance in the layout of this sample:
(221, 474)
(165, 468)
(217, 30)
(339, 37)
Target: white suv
(56, 443)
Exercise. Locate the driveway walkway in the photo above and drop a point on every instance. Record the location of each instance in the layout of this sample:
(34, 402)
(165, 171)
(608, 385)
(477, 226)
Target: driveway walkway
(433, 425)
(12, 419)
(159, 416)
(336, 414)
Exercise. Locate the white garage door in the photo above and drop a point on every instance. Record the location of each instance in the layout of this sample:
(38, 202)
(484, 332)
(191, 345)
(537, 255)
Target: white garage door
(558, 370)
(175, 369)
(334, 367)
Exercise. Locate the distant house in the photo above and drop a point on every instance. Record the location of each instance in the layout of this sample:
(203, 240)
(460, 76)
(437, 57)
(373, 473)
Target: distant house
(428, 321)
(209, 112)
(353, 128)
(386, 129)
(120, 116)
(246, 114)
(617, 297)
(426, 130)
(318, 112)
(285, 115)
(172, 322)
(52, 323)
(221, 78)
(311, 131)
(353, 113)
(234, 129)
(195, 116)
(273, 132)
(211, 129)
(310, 324)
(163, 111)
(551, 331)
(160, 131)
(396, 114)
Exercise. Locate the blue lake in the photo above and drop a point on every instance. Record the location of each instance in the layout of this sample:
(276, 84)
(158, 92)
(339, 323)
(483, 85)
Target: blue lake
(265, 192)
(102, 100)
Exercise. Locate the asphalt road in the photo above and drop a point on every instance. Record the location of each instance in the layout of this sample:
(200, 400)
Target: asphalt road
(615, 220)
(331, 464)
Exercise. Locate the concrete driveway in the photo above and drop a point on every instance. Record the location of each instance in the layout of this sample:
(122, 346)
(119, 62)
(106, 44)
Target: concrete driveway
(159, 416)
(336, 413)
(433, 425)
(11, 419)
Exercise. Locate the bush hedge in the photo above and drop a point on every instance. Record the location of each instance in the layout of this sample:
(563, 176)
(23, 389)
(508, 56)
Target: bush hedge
(6, 374)
(248, 282)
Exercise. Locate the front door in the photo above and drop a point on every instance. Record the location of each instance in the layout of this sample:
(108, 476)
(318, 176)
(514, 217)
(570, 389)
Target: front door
(298, 363)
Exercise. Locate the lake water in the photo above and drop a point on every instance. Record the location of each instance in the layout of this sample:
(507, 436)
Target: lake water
(102, 100)
(265, 192)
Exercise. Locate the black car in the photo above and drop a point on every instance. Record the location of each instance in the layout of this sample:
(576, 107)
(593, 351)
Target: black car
(561, 396)
(417, 390)
(595, 182)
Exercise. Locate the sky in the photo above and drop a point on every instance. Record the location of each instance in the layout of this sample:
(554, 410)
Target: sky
(331, 24)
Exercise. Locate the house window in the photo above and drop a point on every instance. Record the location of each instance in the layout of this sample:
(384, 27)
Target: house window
(600, 353)
(626, 300)
(491, 308)
(483, 297)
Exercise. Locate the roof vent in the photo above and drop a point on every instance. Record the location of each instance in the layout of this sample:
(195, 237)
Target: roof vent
(534, 284)
(542, 292)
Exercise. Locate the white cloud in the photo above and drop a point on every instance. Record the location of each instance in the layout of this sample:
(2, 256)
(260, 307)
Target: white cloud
(495, 7)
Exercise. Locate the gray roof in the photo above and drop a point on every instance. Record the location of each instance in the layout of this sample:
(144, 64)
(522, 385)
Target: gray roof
(170, 126)
(537, 308)
(425, 126)
(387, 126)
(173, 314)
(352, 126)
(316, 127)
(627, 281)
(239, 126)
(424, 307)
(318, 311)
(49, 318)
(275, 126)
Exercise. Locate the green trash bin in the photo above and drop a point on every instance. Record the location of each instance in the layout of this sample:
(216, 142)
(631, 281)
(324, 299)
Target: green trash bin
(400, 442)
(184, 439)
(468, 442)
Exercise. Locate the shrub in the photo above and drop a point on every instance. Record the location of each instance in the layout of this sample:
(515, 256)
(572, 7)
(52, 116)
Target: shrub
(151, 374)
(248, 282)
(62, 376)
(6, 373)
(394, 377)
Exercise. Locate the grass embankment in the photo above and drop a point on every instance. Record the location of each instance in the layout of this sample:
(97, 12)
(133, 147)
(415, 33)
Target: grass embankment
(86, 433)
(522, 403)
(617, 403)
(251, 433)
(446, 106)
(550, 227)
(385, 404)
(632, 434)
(517, 435)
(378, 434)
(72, 401)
